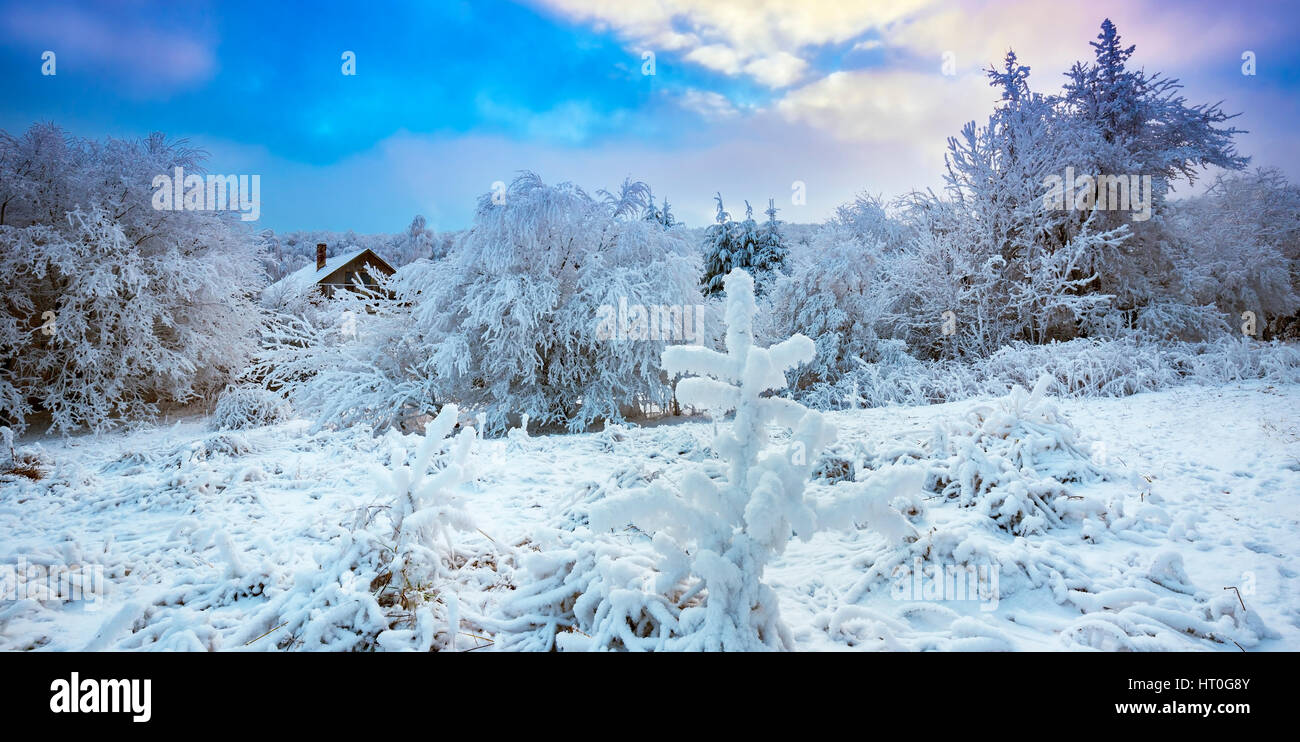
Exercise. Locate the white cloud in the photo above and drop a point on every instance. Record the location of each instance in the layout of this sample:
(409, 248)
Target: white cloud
(710, 105)
(759, 38)
(778, 70)
(880, 105)
(716, 57)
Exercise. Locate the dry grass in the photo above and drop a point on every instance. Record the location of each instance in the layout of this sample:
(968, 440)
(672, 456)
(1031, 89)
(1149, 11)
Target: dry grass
(24, 465)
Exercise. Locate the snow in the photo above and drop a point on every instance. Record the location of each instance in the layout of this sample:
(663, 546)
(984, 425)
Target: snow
(200, 533)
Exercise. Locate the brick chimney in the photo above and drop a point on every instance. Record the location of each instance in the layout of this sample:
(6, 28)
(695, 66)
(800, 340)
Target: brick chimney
(320, 255)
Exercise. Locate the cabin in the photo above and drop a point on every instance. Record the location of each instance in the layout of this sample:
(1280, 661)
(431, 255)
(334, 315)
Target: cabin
(339, 272)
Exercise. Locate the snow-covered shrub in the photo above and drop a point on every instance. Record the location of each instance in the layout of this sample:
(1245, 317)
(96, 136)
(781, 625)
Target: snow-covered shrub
(1157, 608)
(112, 308)
(1241, 246)
(1083, 367)
(700, 587)
(246, 406)
(350, 360)
(517, 319)
(384, 584)
(1011, 461)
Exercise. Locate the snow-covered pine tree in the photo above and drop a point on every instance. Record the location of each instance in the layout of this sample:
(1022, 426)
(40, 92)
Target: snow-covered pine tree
(720, 250)
(387, 584)
(724, 535)
(1146, 128)
(770, 251)
(746, 242)
(702, 587)
(658, 214)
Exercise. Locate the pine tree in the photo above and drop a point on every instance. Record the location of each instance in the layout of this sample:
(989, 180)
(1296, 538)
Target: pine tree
(1155, 129)
(1146, 128)
(770, 253)
(666, 216)
(663, 215)
(1013, 79)
(746, 241)
(719, 249)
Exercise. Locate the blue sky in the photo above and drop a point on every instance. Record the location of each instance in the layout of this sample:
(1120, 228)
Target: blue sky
(746, 97)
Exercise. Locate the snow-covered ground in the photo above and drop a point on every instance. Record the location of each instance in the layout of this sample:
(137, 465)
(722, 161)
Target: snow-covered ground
(199, 533)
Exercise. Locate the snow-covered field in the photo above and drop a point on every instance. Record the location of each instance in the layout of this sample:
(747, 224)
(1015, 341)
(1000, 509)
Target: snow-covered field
(204, 538)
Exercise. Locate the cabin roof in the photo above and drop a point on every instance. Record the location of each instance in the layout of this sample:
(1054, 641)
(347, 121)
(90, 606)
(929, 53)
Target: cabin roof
(309, 274)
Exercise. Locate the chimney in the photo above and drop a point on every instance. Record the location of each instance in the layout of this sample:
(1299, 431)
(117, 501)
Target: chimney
(320, 255)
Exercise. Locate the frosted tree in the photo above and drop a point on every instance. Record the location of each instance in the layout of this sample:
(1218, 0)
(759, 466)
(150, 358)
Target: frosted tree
(832, 295)
(1003, 259)
(517, 320)
(1155, 128)
(1239, 247)
(770, 251)
(721, 249)
(1146, 127)
(348, 361)
(415, 243)
(867, 221)
(111, 308)
(729, 245)
(662, 215)
(704, 589)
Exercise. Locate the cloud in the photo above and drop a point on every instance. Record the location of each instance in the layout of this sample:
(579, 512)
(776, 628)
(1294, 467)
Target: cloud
(719, 57)
(778, 70)
(880, 105)
(148, 59)
(762, 39)
(1050, 37)
(708, 104)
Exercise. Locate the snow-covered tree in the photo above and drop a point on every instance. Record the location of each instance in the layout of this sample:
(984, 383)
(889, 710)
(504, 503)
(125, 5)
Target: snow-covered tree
(1146, 128)
(770, 251)
(722, 248)
(833, 295)
(1239, 246)
(351, 360)
(516, 320)
(111, 307)
(758, 250)
(663, 214)
(994, 252)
